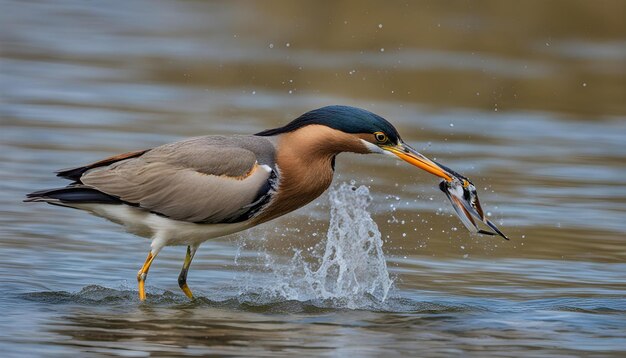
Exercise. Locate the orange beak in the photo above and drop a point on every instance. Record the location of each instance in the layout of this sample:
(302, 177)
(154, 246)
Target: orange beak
(459, 190)
(411, 156)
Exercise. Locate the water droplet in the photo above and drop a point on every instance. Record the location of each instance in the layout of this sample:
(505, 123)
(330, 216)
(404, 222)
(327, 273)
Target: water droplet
(451, 124)
(271, 46)
(380, 26)
(287, 44)
(382, 49)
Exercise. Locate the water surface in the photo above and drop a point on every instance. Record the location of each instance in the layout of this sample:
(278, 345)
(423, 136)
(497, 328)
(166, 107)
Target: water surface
(528, 100)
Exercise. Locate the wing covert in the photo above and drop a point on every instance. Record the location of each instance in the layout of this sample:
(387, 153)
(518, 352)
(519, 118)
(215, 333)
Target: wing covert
(204, 179)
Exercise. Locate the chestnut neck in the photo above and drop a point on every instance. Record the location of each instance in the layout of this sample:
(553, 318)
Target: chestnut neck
(305, 162)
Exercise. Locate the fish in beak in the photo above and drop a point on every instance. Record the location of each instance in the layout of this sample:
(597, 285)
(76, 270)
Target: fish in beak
(458, 189)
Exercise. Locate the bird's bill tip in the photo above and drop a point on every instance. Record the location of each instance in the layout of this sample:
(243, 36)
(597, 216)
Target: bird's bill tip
(413, 157)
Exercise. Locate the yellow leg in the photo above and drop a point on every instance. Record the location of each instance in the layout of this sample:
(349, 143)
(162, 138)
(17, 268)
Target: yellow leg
(182, 278)
(142, 274)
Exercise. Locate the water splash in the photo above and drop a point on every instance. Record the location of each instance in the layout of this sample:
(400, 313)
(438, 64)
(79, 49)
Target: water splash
(348, 268)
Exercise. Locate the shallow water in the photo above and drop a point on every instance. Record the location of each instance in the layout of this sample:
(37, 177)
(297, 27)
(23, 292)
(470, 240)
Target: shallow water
(529, 101)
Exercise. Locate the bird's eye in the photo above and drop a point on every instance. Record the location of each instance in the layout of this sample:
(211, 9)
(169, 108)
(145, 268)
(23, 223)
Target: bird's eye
(380, 137)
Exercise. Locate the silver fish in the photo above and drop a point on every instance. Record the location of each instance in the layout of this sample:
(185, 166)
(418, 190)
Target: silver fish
(462, 194)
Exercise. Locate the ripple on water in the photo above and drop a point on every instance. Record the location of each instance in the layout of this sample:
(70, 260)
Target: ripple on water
(425, 304)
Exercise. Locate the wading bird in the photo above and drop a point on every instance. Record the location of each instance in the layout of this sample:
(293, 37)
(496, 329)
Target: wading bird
(190, 191)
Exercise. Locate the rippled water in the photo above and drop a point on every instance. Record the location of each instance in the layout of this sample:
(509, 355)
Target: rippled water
(528, 100)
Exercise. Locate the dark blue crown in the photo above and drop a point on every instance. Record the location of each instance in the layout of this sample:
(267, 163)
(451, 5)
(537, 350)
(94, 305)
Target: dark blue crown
(344, 118)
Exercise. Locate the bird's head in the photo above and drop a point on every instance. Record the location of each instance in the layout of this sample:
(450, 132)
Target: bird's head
(374, 134)
(361, 131)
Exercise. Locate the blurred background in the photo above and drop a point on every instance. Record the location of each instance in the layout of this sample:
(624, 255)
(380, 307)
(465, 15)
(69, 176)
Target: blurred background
(528, 99)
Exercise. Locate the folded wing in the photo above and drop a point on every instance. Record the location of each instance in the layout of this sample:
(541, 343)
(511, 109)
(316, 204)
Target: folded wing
(204, 180)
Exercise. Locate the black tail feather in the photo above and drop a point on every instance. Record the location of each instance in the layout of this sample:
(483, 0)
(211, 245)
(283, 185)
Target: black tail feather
(72, 194)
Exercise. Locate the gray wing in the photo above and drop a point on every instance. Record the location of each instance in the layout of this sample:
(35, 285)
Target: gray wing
(206, 179)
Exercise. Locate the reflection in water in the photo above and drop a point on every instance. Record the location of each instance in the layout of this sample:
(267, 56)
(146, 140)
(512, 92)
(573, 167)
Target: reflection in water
(526, 99)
